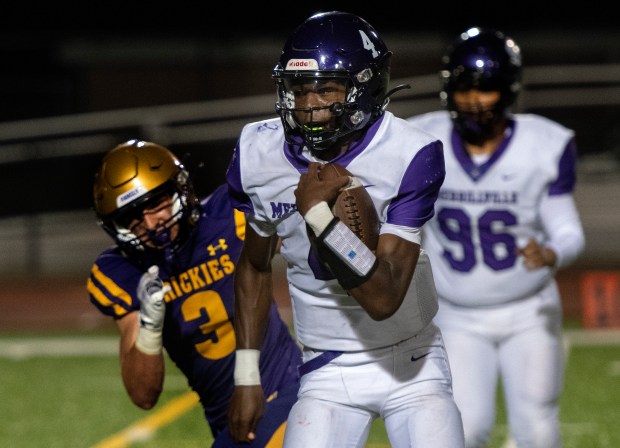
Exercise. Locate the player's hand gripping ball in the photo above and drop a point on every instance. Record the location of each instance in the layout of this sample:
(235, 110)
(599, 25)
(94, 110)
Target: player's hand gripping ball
(354, 206)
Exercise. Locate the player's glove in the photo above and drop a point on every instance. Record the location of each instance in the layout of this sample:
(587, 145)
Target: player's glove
(151, 293)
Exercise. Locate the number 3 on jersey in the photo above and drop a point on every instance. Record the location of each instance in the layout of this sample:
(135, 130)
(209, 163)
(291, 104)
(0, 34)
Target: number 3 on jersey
(498, 245)
(207, 307)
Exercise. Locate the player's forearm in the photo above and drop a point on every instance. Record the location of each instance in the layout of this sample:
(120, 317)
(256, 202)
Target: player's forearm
(378, 281)
(253, 289)
(253, 296)
(143, 374)
(382, 294)
(143, 377)
(563, 225)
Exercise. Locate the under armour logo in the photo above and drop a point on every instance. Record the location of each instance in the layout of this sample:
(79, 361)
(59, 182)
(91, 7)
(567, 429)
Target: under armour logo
(221, 246)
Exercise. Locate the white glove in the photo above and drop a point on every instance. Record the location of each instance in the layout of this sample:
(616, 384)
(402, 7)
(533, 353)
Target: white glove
(151, 293)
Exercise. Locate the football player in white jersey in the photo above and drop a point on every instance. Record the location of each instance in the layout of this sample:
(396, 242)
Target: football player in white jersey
(365, 321)
(505, 222)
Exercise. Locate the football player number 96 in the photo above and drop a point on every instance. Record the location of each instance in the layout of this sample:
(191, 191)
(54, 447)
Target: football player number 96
(498, 247)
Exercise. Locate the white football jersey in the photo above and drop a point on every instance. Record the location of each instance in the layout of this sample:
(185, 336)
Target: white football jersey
(401, 168)
(484, 212)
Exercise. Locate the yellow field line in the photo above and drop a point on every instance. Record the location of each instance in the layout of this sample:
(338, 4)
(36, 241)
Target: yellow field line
(145, 428)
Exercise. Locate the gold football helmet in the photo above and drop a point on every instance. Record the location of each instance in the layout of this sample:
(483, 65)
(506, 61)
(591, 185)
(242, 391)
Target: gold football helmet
(134, 175)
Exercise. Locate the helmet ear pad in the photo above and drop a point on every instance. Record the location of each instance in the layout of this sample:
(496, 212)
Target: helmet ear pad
(372, 83)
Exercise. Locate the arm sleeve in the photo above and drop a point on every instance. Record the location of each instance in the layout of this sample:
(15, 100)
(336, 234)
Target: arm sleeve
(419, 188)
(562, 223)
(567, 170)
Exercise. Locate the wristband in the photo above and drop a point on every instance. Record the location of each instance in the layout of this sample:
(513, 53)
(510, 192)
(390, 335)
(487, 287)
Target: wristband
(318, 217)
(247, 372)
(349, 248)
(149, 342)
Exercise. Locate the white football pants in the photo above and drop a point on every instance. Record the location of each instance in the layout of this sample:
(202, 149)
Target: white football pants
(409, 385)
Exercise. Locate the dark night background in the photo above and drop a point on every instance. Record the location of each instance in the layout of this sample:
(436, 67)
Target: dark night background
(65, 65)
(63, 59)
(74, 57)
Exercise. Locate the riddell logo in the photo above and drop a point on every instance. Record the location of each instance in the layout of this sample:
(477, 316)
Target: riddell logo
(302, 64)
(130, 195)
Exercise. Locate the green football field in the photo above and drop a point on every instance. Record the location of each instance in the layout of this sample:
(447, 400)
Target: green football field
(65, 391)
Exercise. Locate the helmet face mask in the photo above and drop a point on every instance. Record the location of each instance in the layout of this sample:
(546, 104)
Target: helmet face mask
(130, 221)
(314, 107)
(137, 179)
(485, 60)
(337, 47)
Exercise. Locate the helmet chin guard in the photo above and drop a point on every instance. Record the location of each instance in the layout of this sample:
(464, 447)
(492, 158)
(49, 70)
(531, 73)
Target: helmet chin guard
(333, 46)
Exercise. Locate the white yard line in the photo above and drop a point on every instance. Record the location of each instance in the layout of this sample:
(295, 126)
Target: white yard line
(13, 347)
(609, 336)
(24, 348)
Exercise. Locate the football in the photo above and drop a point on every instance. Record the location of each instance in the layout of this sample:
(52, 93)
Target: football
(354, 206)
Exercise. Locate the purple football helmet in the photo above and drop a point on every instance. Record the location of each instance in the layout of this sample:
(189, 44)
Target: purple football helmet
(487, 60)
(333, 46)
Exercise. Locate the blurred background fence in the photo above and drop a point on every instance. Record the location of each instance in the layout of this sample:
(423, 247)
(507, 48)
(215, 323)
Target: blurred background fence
(48, 227)
(146, 88)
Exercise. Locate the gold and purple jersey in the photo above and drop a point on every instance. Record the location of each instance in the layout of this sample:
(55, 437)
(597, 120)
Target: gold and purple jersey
(198, 330)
